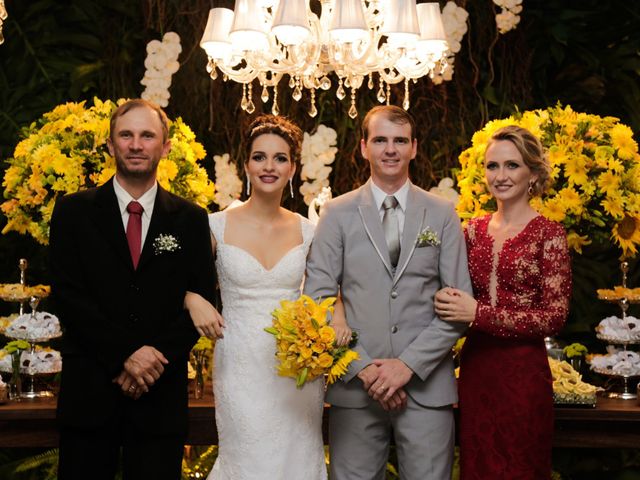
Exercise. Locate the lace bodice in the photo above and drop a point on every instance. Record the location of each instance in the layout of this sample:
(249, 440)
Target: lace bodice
(245, 284)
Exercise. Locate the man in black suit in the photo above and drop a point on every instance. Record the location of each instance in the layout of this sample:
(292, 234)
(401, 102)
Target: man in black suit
(123, 255)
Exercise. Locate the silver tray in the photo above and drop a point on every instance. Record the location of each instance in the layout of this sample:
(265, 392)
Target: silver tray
(616, 340)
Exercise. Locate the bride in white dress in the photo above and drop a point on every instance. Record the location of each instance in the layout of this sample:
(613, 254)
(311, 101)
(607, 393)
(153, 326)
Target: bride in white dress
(267, 428)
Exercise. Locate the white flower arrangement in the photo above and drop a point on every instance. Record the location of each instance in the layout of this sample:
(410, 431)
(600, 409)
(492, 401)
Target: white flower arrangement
(318, 152)
(228, 183)
(445, 189)
(161, 63)
(165, 243)
(427, 238)
(454, 19)
(508, 17)
(3, 17)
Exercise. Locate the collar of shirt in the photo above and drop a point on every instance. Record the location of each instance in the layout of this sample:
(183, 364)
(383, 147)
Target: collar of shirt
(401, 195)
(147, 200)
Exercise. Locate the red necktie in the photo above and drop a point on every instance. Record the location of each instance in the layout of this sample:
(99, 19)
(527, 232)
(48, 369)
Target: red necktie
(134, 231)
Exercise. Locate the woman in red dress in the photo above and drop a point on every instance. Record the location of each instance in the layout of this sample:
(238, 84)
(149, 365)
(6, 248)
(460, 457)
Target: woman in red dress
(521, 275)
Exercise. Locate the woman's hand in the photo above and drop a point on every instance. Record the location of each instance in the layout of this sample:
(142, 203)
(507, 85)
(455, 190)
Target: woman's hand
(340, 326)
(454, 305)
(205, 317)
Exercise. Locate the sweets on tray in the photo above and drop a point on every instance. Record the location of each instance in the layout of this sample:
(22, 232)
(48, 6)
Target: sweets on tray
(618, 293)
(622, 329)
(568, 386)
(616, 362)
(6, 321)
(34, 326)
(16, 292)
(42, 360)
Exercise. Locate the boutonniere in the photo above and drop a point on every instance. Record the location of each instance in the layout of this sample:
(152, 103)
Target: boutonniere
(427, 237)
(165, 243)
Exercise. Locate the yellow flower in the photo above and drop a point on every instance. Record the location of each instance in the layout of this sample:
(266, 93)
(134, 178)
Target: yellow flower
(609, 183)
(339, 368)
(626, 234)
(571, 200)
(622, 140)
(325, 360)
(613, 206)
(576, 242)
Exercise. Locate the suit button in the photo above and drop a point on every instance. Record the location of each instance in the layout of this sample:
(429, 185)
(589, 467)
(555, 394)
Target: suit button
(394, 294)
(394, 329)
(133, 318)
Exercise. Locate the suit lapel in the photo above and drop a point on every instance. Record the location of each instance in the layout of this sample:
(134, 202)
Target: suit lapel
(160, 224)
(109, 220)
(413, 220)
(373, 226)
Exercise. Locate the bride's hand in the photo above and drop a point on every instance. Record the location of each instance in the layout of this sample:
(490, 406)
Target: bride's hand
(340, 326)
(205, 317)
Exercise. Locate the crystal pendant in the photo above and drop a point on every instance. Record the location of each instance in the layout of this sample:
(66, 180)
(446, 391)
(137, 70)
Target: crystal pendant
(265, 94)
(250, 107)
(340, 93)
(292, 82)
(211, 65)
(353, 111)
(274, 107)
(213, 74)
(370, 82)
(388, 94)
(313, 111)
(244, 102)
(405, 103)
(297, 93)
(325, 83)
(380, 95)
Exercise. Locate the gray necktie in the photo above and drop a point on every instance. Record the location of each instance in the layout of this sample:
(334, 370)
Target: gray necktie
(391, 230)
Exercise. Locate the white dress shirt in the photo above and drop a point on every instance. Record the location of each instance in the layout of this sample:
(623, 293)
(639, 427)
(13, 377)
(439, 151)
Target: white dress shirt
(401, 196)
(147, 200)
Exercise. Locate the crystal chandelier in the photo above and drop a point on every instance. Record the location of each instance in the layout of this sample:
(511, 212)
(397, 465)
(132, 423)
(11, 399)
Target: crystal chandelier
(388, 41)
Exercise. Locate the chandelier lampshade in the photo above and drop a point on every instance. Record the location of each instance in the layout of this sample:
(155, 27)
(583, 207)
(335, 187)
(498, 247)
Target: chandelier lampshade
(353, 40)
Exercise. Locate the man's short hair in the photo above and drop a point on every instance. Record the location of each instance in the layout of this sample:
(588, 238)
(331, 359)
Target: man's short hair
(393, 114)
(138, 103)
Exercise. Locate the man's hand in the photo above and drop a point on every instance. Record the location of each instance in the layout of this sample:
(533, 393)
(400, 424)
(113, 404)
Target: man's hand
(368, 375)
(129, 386)
(397, 401)
(145, 365)
(393, 374)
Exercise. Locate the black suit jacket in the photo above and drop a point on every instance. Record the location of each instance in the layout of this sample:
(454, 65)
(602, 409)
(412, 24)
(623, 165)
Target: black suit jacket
(108, 310)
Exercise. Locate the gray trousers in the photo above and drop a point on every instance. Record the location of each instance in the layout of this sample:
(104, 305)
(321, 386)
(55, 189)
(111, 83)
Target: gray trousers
(359, 440)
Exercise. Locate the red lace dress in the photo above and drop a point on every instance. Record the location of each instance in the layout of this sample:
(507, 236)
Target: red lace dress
(506, 401)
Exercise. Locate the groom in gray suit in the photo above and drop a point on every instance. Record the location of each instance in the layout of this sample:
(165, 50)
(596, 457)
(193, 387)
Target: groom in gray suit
(386, 248)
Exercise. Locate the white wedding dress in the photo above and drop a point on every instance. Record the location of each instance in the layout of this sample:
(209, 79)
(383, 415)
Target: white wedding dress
(267, 428)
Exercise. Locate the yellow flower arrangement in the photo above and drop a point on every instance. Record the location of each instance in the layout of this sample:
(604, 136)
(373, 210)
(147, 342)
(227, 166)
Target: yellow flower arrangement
(305, 341)
(65, 151)
(595, 188)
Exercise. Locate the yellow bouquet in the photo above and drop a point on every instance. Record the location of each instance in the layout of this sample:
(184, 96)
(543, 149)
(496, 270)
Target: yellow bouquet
(305, 342)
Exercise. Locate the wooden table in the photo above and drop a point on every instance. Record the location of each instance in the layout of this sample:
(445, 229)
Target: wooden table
(612, 424)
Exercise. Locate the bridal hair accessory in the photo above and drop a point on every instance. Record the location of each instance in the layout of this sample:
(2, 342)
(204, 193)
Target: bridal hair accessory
(291, 186)
(305, 342)
(426, 238)
(165, 243)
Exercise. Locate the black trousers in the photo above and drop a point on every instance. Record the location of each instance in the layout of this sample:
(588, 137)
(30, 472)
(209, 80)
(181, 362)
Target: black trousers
(95, 453)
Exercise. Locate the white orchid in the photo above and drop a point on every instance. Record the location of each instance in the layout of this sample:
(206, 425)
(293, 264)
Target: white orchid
(454, 19)
(161, 63)
(228, 184)
(318, 152)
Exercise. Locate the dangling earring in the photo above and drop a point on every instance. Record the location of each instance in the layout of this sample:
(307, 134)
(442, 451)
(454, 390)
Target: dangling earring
(248, 186)
(291, 186)
(530, 189)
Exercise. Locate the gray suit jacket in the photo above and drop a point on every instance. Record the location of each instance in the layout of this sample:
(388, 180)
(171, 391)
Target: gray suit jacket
(392, 312)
